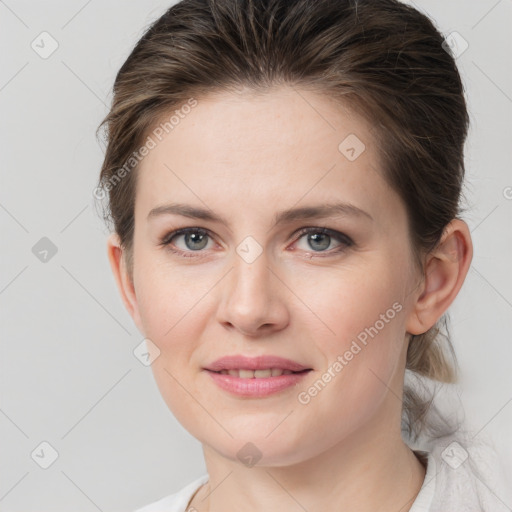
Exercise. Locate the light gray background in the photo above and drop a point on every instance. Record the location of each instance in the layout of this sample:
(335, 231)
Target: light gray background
(68, 373)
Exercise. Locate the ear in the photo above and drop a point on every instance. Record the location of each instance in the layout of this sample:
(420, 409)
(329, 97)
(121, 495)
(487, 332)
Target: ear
(125, 285)
(445, 271)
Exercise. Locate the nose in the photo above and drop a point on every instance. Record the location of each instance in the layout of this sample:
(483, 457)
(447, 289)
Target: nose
(253, 298)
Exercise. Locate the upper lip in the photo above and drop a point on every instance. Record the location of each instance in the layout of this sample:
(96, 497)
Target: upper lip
(239, 362)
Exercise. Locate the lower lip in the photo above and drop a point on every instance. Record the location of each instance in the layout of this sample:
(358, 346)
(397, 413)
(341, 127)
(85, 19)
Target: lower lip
(256, 387)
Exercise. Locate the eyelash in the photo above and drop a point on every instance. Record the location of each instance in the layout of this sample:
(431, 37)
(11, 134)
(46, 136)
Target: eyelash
(340, 237)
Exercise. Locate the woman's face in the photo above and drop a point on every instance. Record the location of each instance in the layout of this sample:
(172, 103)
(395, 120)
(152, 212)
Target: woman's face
(248, 285)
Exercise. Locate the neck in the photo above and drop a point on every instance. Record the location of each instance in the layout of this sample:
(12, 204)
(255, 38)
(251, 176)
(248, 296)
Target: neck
(370, 470)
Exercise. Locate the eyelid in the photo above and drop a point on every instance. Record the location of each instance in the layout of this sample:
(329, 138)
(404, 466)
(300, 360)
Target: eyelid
(166, 240)
(328, 231)
(341, 237)
(345, 241)
(183, 231)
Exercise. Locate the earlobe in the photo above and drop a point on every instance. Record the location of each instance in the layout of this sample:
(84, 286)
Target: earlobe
(445, 271)
(124, 284)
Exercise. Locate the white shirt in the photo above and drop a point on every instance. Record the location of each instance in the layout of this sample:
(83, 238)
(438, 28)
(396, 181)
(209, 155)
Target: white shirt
(450, 485)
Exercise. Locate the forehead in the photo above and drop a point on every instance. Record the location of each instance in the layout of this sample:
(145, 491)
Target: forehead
(263, 150)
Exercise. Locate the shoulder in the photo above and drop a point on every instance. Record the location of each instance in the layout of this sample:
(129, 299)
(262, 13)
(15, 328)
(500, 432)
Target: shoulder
(178, 501)
(462, 475)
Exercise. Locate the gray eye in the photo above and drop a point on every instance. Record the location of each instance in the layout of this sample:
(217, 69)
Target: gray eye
(195, 241)
(319, 241)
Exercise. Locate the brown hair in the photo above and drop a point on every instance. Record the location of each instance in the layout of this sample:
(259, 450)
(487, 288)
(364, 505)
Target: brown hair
(382, 58)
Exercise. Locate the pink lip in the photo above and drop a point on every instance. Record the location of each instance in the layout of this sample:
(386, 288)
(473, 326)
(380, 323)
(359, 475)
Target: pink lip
(238, 362)
(257, 387)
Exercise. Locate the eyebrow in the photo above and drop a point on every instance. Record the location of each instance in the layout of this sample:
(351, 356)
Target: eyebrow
(281, 217)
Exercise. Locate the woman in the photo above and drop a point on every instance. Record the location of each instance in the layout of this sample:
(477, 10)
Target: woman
(284, 180)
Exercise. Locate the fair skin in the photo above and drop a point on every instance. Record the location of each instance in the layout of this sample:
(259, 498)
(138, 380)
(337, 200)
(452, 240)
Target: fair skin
(245, 158)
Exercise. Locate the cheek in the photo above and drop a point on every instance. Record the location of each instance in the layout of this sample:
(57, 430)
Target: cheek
(169, 299)
(366, 316)
(360, 303)
(172, 305)
(172, 321)
(361, 359)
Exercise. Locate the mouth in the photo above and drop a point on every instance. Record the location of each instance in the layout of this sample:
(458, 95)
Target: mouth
(256, 377)
(261, 383)
(258, 374)
(263, 363)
